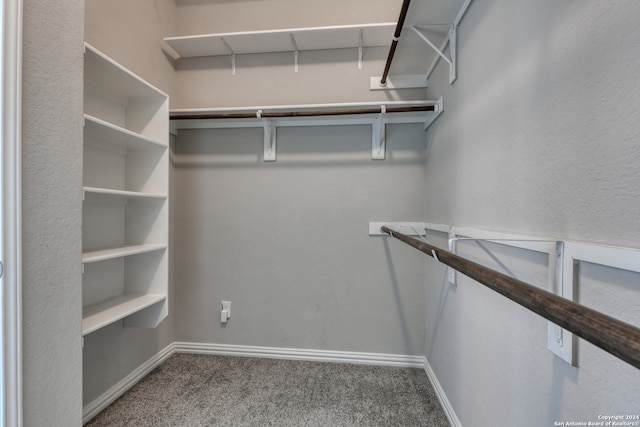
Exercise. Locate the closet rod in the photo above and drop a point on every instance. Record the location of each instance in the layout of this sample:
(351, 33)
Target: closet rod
(396, 38)
(618, 338)
(281, 114)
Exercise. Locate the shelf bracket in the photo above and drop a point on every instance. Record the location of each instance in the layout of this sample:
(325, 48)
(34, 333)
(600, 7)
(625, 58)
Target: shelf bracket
(232, 55)
(378, 140)
(360, 44)
(295, 52)
(432, 116)
(269, 138)
(561, 282)
(453, 30)
(451, 272)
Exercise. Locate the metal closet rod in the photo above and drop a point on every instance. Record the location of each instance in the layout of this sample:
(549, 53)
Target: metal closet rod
(282, 114)
(618, 338)
(394, 43)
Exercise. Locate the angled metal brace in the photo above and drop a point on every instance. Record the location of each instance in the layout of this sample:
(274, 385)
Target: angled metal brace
(378, 143)
(452, 46)
(232, 55)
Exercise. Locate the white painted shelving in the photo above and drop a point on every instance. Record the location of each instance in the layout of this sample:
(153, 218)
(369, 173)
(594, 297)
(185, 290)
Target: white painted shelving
(125, 188)
(284, 40)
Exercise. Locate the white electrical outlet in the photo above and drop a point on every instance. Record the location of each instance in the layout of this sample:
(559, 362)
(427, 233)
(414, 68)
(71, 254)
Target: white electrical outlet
(225, 313)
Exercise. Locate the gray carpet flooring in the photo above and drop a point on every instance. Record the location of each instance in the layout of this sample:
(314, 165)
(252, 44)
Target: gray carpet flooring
(202, 390)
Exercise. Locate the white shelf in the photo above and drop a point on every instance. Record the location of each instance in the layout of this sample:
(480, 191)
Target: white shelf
(99, 315)
(119, 252)
(120, 193)
(316, 38)
(102, 71)
(104, 131)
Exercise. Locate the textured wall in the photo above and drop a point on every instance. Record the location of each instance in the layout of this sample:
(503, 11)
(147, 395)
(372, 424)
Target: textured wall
(539, 136)
(287, 242)
(220, 16)
(541, 131)
(131, 33)
(52, 180)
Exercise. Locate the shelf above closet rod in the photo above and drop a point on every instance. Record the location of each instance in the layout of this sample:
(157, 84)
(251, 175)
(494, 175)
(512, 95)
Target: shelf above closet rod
(314, 113)
(376, 115)
(280, 40)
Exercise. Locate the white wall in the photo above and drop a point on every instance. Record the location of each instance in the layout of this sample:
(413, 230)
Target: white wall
(51, 207)
(539, 136)
(287, 242)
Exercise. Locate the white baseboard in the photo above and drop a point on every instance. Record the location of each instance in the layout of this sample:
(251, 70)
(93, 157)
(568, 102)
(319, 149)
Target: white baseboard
(380, 359)
(108, 397)
(442, 397)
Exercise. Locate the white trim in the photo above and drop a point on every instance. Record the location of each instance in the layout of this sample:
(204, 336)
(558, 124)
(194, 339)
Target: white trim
(379, 359)
(442, 396)
(11, 214)
(108, 397)
(611, 256)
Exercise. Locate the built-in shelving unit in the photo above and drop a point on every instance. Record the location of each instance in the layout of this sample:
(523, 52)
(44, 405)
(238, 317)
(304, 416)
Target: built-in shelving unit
(125, 188)
(285, 40)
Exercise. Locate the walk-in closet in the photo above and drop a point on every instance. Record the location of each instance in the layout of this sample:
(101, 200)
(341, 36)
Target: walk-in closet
(340, 212)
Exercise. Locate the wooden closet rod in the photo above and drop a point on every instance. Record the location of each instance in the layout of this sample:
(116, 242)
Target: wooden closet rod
(282, 114)
(618, 338)
(394, 43)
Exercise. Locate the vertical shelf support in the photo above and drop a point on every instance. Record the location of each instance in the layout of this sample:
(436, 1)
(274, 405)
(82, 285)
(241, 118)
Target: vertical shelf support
(232, 55)
(295, 52)
(378, 138)
(269, 138)
(561, 281)
(451, 272)
(360, 44)
(453, 32)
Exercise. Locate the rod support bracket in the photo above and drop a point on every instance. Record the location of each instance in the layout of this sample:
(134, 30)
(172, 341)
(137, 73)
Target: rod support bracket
(232, 55)
(378, 138)
(269, 138)
(360, 48)
(296, 54)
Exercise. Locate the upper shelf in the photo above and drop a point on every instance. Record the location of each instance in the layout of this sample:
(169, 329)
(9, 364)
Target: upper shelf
(287, 40)
(102, 71)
